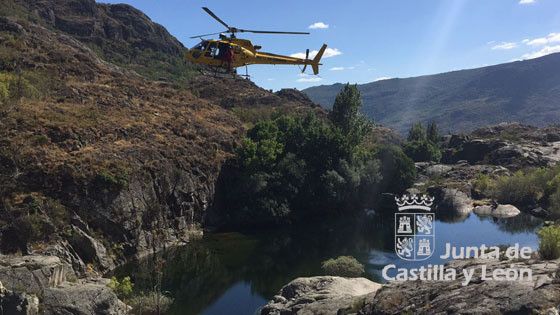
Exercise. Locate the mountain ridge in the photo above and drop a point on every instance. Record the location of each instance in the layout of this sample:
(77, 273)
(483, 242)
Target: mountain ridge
(462, 100)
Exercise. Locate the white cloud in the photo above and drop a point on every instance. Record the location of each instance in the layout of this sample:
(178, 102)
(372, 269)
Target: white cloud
(504, 46)
(329, 52)
(309, 79)
(547, 50)
(381, 79)
(318, 25)
(549, 39)
(341, 68)
(527, 1)
(270, 79)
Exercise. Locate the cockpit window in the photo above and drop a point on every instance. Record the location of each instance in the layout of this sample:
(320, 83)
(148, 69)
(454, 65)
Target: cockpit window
(201, 46)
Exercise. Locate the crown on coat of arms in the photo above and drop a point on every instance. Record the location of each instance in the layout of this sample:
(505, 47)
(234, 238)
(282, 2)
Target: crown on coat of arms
(414, 201)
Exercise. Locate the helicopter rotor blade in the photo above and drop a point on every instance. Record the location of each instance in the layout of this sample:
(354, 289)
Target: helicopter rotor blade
(271, 32)
(215, 17)
(198, 36)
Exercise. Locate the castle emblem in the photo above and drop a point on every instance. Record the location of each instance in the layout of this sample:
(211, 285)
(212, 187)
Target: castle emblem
(414, 227)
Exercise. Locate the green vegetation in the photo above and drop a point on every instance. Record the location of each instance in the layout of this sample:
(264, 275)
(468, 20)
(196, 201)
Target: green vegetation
(154, 65)
(346, 115)
(289, 168)
(343, 266)
(13, 87)
(397, 169)
(122, 288)
(149, 303)
(112, 180)
(423, 143)
(549, 242)
(525, 188)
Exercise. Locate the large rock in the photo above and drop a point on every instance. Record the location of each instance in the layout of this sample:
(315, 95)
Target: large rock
(501, 211)
(32, 274)
(473, 151)
(451, 201)
(81, 299)
(90, 250)
(320, 295)
(539, 295)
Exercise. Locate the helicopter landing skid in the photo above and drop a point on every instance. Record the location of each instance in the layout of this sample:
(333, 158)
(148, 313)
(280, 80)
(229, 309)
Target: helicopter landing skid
(220, 72)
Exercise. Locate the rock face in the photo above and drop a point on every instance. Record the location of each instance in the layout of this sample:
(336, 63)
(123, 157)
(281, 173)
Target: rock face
(121, 33)
(146, 160)
(452, 200)
(537, 296)
(320, 295)
(24, 279)
(512, 145)
(32, 273)
(81, 299)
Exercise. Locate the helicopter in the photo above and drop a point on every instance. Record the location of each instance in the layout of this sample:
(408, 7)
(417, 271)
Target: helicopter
(212, 52)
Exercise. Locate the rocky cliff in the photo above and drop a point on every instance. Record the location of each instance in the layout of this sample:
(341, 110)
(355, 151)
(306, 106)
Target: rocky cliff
(100, 162)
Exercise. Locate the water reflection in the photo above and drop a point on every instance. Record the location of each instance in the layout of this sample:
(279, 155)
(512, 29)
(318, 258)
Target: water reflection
(231, 273)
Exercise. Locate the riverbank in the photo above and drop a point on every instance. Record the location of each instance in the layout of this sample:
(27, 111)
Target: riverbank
(538, 295)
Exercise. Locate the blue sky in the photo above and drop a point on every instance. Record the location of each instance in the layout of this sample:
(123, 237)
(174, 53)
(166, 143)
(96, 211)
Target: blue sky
(374, 39)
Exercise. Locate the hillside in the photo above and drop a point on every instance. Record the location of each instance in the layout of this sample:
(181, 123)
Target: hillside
(100, 159)
(523, 91)
(118, 33)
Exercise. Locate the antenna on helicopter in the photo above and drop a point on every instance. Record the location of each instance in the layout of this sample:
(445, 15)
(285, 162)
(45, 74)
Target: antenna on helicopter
(232, 30)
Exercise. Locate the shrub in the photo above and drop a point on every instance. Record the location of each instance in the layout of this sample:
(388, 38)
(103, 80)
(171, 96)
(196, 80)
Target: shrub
(397, 169)
(417, 133)
(549, 242)
(422, 143)
(123, 288)
(523, 187)
(343, 266)
(484, 185)
(107, 180)
(422, 151)
(150, 303)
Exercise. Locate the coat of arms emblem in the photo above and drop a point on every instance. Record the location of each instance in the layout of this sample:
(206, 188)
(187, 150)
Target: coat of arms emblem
(414, 227)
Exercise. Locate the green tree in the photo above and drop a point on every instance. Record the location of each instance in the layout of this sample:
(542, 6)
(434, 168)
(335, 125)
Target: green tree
(346, 108)
(346, 114)
(417, 132)
(397, 169)
(422, 151)
(432, 133)
(291, 168)
(422, 143)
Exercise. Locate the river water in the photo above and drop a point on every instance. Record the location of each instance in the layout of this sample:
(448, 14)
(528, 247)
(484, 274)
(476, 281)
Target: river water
(233, 273)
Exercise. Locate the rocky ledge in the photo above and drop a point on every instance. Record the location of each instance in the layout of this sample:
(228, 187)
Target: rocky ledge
(321, 295)
(46, 283)
(539, 294)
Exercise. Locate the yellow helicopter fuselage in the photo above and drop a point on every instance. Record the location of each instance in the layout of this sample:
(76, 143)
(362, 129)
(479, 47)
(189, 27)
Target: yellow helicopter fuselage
(211, 53)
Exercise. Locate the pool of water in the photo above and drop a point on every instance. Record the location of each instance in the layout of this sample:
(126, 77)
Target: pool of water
(233, 273)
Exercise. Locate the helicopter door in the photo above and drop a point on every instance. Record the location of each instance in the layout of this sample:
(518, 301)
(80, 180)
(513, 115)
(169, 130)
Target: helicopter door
(212, 50)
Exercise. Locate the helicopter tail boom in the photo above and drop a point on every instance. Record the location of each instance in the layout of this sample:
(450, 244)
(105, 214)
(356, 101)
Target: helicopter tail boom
(315, 64)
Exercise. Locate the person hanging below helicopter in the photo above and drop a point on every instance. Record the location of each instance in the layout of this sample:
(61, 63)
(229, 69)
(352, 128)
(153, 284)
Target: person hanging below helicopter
(229, 57)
